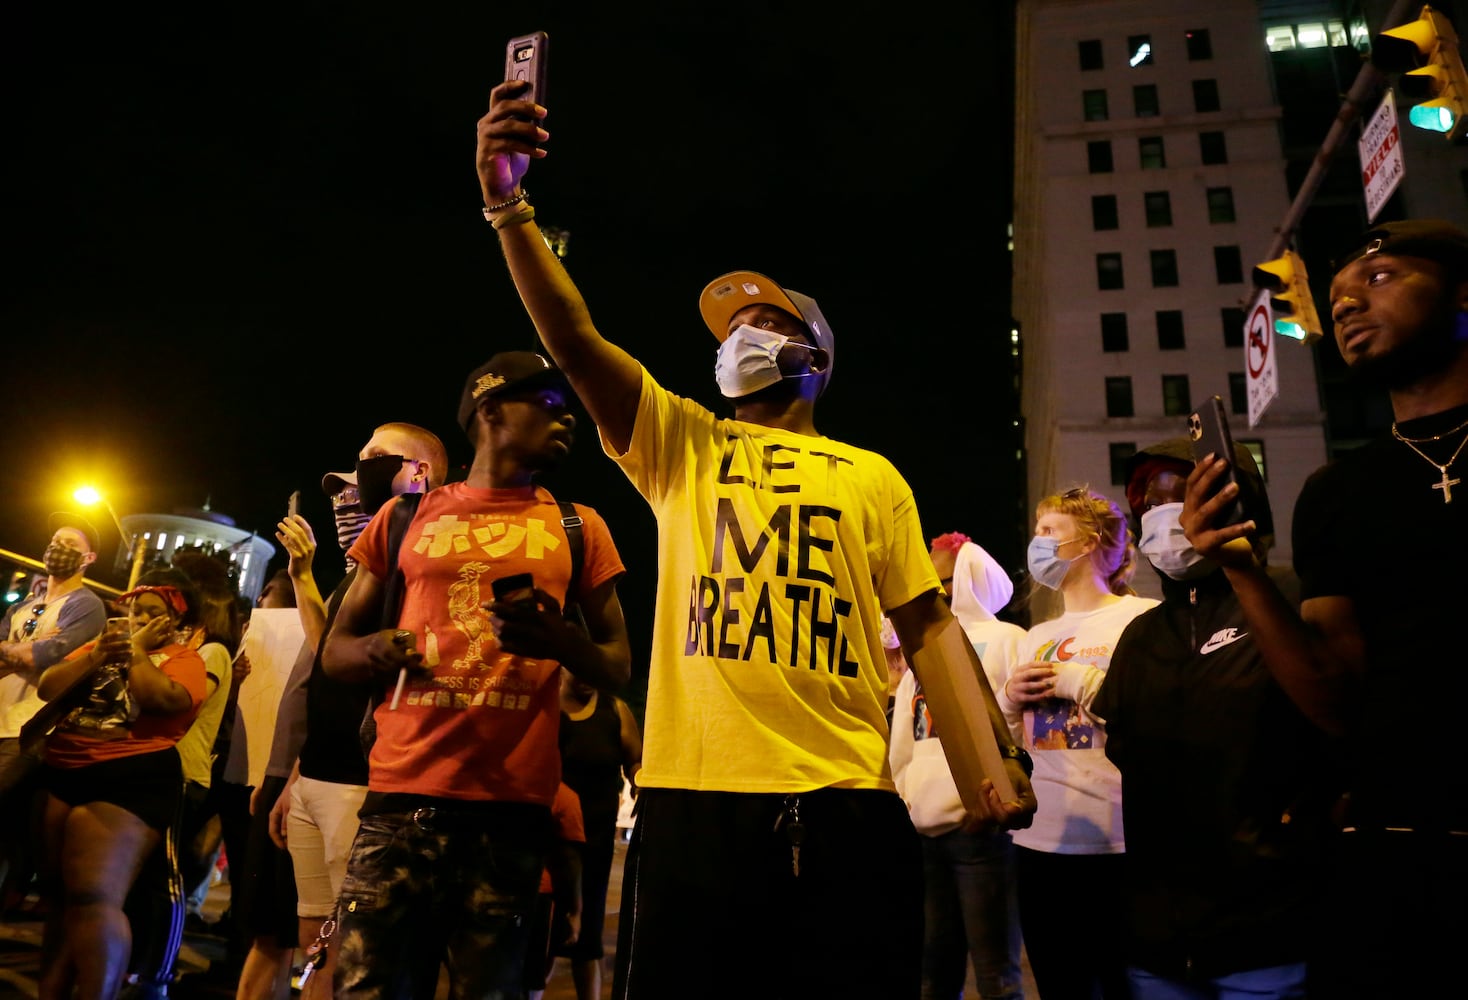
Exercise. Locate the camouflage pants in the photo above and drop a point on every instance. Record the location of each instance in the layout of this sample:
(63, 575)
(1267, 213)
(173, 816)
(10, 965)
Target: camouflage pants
(439, 886)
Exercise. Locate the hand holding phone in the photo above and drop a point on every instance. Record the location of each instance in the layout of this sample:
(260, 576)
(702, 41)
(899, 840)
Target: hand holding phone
(293, 505)
(515, 588)
(1208, 434)
(527, 58)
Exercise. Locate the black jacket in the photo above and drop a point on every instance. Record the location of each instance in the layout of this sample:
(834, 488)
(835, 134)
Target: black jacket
(1225, 791)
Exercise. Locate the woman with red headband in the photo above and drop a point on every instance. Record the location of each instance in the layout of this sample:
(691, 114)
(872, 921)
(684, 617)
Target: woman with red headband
(113, 781)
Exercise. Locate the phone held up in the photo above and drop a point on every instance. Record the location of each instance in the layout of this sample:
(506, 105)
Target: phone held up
(293, 505)
(527, 58)
(516, 588)
(1208, 434)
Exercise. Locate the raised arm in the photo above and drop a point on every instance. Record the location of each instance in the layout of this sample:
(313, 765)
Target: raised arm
(295, 534)
(607, 379)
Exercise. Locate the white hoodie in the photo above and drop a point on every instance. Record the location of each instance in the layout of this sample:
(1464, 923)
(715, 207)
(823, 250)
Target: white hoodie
(980, 588)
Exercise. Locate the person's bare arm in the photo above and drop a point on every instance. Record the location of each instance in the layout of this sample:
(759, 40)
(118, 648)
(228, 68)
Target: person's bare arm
(1313, 655)
(154, 690)
(607, 379)
(919, 623)
(295, 534)
(631, 735)
(356, 649)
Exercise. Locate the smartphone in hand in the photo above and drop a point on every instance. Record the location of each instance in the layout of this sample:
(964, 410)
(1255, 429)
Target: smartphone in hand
(527, 58)
(1208, 434)
(516, 587)
(293, 505)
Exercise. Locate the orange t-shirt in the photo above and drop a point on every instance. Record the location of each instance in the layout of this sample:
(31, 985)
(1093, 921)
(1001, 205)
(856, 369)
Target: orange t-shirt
(72, 746)
(484, 726)
(566, 817)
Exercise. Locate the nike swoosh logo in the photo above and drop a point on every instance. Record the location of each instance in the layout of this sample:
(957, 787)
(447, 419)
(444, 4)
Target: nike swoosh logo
(1220, 639)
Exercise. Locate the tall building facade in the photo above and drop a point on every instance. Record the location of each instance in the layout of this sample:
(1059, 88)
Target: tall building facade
(1149, 179)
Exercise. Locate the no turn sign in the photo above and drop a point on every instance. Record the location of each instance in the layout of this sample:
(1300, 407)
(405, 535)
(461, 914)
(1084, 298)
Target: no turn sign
(1259, 362)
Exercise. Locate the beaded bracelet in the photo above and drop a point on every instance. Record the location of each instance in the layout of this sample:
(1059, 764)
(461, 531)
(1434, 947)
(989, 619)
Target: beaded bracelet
(503, 205)
(518, 219)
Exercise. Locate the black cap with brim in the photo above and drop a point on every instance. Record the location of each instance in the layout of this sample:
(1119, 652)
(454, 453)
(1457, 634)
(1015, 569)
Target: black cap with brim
(505, 373)
(1432, 239)
(66, 519)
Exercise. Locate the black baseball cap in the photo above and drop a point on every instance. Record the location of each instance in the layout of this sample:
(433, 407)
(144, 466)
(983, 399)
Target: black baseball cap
(507, 372)
(1432, 239)
(66, 519)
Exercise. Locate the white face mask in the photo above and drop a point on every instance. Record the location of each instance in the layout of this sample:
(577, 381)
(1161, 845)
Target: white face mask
(748, 361)
(1166, 547)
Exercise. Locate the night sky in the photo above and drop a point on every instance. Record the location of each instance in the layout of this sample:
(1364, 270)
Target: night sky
(239, 238)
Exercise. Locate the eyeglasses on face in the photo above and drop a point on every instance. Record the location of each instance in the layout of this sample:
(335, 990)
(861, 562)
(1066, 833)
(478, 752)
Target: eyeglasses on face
(29, 627)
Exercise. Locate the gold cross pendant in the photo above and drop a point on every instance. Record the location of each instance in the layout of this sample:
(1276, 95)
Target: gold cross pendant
(1446, 485)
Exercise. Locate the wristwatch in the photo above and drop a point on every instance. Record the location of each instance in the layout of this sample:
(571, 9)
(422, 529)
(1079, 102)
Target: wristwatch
(1019, 753)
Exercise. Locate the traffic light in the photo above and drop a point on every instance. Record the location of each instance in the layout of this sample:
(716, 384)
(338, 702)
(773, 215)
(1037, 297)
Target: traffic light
(1426, 52)
(17, 588)
(1289, 297)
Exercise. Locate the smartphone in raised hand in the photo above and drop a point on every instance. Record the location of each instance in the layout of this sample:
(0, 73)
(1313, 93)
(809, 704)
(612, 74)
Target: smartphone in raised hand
(527, 57)
(1208, 434)
(293, 505)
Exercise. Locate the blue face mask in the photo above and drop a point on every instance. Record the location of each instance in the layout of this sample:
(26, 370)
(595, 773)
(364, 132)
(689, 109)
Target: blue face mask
(1046, 567)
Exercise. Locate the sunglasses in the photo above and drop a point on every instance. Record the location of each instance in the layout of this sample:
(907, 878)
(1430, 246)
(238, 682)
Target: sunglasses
(29, 627)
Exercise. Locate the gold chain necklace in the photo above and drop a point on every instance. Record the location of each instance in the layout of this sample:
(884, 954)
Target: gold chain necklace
(1447, 484)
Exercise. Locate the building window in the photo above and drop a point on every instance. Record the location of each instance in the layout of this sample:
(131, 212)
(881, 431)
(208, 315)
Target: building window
(1093, 105)
(1090, 52)
(1113, 332)
(1164, 268)
(1177, 401)
(1170, 330)
(1221, 204)
(1158, 205)
(1139, 50)
(1121, 453)
(1213, 147)
(1205, 95)
(1256, 448)
(1098, 156)
(1119, 396)
(1144, 100)
(1228, 263)
(1108, 271)
(1103, 212)
(1238, 392)
(1151, 152)
(1233, 326)
(1200, 46)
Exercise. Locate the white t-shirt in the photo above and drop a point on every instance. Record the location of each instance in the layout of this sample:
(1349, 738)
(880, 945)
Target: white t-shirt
(1077, 788)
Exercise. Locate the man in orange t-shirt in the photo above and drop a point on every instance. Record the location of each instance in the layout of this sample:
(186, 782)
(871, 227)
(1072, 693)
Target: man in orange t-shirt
(465, 764)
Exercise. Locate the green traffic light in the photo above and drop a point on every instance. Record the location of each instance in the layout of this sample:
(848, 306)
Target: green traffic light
(1289, 328)
(1433, 118)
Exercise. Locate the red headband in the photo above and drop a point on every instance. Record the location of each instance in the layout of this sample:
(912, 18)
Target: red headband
(172, 596)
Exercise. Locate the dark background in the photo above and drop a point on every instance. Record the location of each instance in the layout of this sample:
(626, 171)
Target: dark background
(241, 236)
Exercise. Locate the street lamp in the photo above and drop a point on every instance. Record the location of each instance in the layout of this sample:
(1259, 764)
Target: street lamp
(90, 496)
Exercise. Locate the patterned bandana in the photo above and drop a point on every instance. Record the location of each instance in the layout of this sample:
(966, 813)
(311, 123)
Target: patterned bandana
(172, 597)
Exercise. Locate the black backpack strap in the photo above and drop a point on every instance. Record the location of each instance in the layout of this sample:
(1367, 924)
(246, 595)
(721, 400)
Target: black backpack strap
(404, 509)
(571, 524)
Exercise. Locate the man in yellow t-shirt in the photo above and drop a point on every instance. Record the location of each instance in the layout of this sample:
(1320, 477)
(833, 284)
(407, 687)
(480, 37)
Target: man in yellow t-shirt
(767, 813)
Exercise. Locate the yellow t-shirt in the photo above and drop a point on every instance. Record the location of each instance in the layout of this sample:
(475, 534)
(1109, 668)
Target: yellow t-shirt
(776, 552)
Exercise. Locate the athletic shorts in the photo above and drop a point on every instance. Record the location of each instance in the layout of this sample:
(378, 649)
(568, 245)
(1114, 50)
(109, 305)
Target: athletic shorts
(148, 785)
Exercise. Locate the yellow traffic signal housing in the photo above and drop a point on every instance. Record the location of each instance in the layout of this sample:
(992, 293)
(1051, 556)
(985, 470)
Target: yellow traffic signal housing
(1426, 52)
(1289, 297)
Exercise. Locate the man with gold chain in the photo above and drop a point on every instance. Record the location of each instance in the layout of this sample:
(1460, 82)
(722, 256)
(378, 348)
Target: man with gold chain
(1376, 650)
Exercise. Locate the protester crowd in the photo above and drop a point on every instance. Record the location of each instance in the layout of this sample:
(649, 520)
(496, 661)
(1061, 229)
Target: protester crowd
(853, 777)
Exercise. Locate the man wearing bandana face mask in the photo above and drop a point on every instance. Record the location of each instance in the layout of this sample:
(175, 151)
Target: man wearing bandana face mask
(766, 789)
(316, 776)
(56, 618)
(1225, 790)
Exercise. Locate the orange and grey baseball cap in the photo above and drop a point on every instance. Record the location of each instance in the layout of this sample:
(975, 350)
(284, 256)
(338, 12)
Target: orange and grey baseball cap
(729, 293)
(67, 519)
